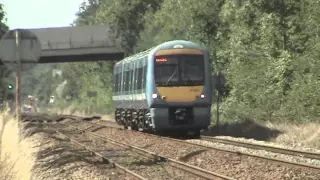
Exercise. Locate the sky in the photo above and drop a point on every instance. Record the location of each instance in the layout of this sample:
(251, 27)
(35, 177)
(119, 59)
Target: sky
(30, 14)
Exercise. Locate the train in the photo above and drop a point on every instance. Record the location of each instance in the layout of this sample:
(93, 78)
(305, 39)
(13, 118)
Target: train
(167, 88)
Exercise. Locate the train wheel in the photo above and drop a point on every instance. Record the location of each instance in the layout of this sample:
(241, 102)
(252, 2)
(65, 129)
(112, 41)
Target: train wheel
(134, 126)
(195, 134)
(117, 117)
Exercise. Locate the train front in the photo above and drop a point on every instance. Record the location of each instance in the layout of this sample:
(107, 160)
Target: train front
(182, 89)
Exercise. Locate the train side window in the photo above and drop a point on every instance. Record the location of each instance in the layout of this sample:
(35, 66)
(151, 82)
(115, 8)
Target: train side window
(142, 78)
(130, 80)
(137, 77)
(140, 73)
(134, 64)
(123, 82)
(115, 76)
(115, 83)
(127, 81)
(118, 79)
(144, 74)
(134, 77)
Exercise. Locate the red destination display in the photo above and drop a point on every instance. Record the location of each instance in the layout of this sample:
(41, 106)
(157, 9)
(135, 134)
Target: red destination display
(161, 60)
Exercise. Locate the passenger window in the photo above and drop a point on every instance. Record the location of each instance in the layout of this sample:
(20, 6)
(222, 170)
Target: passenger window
(144, 76)
(135, 78)
(130, 81)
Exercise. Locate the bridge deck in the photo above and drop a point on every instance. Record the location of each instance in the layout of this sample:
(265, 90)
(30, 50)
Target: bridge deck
(81, 43)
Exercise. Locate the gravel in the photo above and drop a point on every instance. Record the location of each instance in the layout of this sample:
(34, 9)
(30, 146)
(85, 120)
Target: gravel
(296, 147)
(295, 159)
(56, 159)
(146, 167)
(264, 153)
(228, 164)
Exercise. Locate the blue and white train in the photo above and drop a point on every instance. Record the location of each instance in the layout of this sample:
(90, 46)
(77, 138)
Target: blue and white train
(165, 88)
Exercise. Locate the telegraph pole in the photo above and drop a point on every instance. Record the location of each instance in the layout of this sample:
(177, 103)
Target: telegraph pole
(18, 76)
(19, 47)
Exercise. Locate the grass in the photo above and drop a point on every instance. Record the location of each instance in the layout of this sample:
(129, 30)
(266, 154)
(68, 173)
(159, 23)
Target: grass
(6, 166)
(306, 135)
(16, 154)
(6, 170)
(286, 133)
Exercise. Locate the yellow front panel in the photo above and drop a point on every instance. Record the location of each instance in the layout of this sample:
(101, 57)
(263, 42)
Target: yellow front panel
(181, 93)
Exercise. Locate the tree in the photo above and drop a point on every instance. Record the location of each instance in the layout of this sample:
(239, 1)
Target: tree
(87, 12)
(3, 26)
(87, 76)
(4, 72)
(126, 18)
(268, 50)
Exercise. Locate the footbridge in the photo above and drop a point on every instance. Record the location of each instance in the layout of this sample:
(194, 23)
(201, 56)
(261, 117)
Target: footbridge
(76, 44)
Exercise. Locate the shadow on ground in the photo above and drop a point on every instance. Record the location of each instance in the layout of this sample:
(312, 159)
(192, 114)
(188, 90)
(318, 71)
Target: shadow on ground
(246, 129)
(188, 156)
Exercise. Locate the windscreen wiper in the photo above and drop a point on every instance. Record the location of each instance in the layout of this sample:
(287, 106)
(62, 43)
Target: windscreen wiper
(171, 76)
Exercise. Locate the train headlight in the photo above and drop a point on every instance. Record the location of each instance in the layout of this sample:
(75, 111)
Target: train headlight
(154, 95)
(202, 96)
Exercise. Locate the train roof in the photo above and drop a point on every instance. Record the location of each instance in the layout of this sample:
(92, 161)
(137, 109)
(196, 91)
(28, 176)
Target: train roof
(183, 43)
(165, 45)
(135, 56)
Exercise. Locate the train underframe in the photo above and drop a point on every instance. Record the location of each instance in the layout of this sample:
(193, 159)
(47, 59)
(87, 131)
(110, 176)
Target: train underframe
(136, 119)
(141, 120)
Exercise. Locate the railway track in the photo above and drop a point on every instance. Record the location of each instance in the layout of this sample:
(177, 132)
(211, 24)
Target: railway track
(176, 164)
(96, 126)
(275, 160)
(36, 120)
(104, 159)
(292, 152)
(279, 150)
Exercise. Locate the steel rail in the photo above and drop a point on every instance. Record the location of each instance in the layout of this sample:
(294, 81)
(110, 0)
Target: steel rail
(177, 164)
(301, 165)
(306, 154)
(104, 159)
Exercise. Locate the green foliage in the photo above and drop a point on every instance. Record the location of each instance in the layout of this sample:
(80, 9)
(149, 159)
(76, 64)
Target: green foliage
(87, 76)
(127, 18)
(87, 12)
(267, 49)
(4, 72)
(3, 26)
(84, 77)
